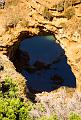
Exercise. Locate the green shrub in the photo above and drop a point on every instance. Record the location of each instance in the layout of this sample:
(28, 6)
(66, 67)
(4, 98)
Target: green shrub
(52, 117)
(74, 116)
(12, 107)
(8, 88)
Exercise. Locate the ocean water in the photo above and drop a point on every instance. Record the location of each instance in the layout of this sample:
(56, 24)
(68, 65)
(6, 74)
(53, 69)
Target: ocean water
(46, 50)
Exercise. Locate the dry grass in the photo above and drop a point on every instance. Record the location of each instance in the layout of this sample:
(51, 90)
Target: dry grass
(69, 12)
(11, 3)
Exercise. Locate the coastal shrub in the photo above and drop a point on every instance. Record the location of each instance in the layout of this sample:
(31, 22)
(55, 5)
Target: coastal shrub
(52, 117)
(69, 13)
(12, 107)
(8, 88)
(74, 116)
(60, 6)
(47, 14)
(67, 4)
(13, 21)
(24, 23)
(11, 3)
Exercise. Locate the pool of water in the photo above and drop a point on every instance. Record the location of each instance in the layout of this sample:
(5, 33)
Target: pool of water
(45, 50)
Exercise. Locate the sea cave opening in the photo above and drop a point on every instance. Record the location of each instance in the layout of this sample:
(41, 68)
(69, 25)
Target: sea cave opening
(42, 61)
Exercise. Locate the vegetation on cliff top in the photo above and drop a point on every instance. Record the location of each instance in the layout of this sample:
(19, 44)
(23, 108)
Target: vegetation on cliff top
(12, 107)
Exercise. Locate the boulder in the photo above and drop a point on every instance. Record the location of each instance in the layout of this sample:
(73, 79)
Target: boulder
(30, 69)
(40, 65)
(57, 79)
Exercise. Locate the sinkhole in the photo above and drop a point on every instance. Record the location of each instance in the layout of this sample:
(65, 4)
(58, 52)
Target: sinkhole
(42, 61)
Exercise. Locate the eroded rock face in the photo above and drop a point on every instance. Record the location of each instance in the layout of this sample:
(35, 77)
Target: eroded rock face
(20, 19)
(2, 3)
(7, 69)
(1, 65)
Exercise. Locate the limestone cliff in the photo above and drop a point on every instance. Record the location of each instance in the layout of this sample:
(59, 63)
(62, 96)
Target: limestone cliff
(26, 18)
